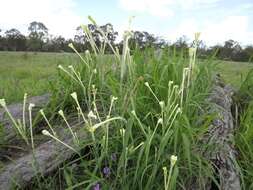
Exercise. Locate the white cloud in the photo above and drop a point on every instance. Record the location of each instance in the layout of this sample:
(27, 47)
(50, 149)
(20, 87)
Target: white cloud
(196, 4)
(164, 8)
(57, 15)
(153, 7)
(231, 27)
(187, 27)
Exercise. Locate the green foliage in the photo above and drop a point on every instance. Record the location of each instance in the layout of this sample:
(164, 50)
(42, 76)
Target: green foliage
(161, 120)
(244, 133)
(160, 95)
(39, 40)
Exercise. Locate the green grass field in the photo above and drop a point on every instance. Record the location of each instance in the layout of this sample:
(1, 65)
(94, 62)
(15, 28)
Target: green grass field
(22, 72)
(234, 72)
(142, 118)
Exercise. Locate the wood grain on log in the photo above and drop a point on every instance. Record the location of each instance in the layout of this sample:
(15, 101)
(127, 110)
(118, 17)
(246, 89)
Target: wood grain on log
(219, 148)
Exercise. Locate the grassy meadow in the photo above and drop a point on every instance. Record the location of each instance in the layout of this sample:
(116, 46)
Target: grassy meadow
(33, 73)
(27, 72)
(142, 117)
(234, 73)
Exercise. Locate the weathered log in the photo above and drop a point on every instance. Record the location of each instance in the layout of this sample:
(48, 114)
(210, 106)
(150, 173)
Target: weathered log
(219, 148)
(45, 159)
(17, 112)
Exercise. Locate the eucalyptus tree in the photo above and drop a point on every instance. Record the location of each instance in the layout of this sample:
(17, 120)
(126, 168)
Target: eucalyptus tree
(37, 35)
(15, 41)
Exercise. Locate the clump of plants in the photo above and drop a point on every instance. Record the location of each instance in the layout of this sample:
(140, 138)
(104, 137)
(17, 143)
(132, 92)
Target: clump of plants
(141, 112)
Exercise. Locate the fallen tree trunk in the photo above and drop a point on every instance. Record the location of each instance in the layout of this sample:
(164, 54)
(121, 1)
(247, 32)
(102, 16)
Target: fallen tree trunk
(46, 158)
(219, 148)
(17, 112)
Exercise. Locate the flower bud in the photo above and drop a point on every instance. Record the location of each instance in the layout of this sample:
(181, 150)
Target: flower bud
(173, 160)
(114, 98)
(2, 102)
(162, 104)
(87, 52)
(160, 121)
(46, 133)
(92, 115)
(122, 132)
(71, 67)
(42, 112)
(60, 112)
(74, 96)
(146, 84)
(71, 45)
(60, 67)
(31, 105)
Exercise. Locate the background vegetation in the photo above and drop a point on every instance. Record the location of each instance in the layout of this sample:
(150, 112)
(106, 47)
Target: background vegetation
(39, 39)
(34, 73)
(142, 103)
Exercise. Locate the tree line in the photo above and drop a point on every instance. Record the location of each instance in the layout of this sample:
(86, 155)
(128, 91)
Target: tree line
(39, 39)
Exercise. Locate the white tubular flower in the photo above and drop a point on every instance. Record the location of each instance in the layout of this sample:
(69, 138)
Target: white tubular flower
(160, 121)
(165, 169)
(2, 102)
(173, 160)
(74, 96)
(95, 71)
(71, 45)
(60, 67)
(46, 133)
(71, 67)
(133, 112)
(31, 105)
(114, 98)
(179, 110)
(122, 132)
(60, 112)
(92, 115)
(41, 112)
(162, 104)
(146, 84)
(87, 52)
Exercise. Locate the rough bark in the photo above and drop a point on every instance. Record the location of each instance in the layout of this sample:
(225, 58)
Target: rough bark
(45, 159)
(17, 112)
(219, 148)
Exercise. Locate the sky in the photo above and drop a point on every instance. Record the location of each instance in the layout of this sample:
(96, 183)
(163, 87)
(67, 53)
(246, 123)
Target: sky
(217, 20)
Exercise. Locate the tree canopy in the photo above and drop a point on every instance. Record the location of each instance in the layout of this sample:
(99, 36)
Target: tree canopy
(39, 39)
